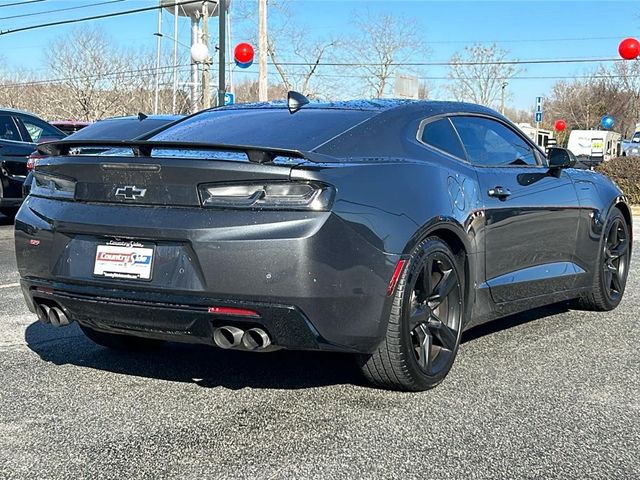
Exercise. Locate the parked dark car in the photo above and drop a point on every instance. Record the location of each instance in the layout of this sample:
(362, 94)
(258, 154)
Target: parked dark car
(69, 126)
(116, 128)
(380, 228)
(19, 134)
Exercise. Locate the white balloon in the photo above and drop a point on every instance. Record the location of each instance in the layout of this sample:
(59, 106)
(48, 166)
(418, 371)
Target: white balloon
(199, 52)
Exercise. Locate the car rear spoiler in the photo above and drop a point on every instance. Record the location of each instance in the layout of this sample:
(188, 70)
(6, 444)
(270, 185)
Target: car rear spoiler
(143, 148)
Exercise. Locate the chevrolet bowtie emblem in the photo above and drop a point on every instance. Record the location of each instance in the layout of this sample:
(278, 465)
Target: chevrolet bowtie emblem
(130, 192)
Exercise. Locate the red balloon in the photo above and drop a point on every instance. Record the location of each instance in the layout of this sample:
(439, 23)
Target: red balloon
(243, 53)
(629, 48)
(560, 125)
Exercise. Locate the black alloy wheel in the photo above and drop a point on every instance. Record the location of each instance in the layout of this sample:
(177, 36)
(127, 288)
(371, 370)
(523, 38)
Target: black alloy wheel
(615, 259)
(612, 268)
(426, 321)
(436, 312)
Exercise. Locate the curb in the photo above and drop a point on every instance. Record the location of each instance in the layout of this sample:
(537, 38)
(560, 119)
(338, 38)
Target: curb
(635, 210)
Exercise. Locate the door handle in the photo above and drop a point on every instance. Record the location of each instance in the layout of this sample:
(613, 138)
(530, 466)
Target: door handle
(499, 192)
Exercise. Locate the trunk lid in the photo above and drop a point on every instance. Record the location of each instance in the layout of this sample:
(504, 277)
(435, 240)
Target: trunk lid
(155, 181)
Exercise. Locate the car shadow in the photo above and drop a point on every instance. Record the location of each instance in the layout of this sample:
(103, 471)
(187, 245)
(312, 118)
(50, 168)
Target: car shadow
(514, 321)
(203, 365)
(5, 220)
(210, 367)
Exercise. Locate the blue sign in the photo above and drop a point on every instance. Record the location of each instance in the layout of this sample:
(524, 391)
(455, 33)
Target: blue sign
(229, 98)
(538, 117)
(538, 104)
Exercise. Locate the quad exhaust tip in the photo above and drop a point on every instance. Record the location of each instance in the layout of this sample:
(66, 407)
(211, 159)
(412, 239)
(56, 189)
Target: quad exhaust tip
(53, 315)
(255, 339)
(233, 337)
(43, 313)
(228, 337)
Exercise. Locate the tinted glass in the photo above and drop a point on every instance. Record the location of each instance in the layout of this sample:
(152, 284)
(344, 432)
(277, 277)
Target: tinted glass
(39, 130)
(119, 129)
(272, 127)
(440, 134)
(8, 129)
(488, 142)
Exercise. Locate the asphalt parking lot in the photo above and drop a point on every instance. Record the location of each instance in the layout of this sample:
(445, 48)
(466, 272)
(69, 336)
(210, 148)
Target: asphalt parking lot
(550, 394)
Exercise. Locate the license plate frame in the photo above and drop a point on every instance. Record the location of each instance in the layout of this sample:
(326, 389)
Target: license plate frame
(118, 260)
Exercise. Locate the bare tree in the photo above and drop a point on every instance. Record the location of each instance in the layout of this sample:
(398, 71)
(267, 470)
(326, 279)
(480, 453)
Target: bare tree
(518, 116)
(384, 43)
(98, 79)
(296, 55)
(609, 91)
(247, 91)
(478, 74)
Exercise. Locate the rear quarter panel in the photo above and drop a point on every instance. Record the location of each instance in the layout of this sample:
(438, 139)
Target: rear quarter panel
(597, 195)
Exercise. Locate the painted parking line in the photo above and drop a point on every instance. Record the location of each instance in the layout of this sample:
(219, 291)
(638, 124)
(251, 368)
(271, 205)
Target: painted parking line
(10, 285)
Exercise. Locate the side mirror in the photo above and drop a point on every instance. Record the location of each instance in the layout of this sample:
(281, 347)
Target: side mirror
(560, 158)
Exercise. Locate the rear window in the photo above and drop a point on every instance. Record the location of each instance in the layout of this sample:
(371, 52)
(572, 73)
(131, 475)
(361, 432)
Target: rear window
(271, 128)
(118, 129)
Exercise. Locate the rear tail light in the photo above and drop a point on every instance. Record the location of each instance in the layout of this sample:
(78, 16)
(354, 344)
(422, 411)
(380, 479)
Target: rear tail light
(268, 196)
(52, 186)
(33, 159)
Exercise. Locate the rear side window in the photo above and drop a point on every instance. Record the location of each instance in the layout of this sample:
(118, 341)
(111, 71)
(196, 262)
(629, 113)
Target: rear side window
(39, 130)
(8, 129)
(490, 143)
(441, 135)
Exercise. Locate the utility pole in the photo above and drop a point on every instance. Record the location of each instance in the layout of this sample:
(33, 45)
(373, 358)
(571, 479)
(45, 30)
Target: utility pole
(158, 47)
(222, 34)
(175, 57)
(504, 85)
(206, 96)
(263, 95)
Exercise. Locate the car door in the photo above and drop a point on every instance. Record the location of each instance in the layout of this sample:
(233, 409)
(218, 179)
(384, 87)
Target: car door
(13, 157)
(38, 131)
(531, 213)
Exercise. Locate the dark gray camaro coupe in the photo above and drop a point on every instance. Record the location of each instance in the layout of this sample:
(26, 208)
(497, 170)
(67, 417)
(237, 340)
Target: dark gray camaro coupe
(381, 228)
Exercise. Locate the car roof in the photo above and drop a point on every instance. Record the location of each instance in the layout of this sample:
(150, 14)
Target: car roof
(21, 112)
(340, 129)
(164, 117)
(375, 105)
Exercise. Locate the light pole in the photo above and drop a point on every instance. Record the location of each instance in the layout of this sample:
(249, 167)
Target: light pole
(206, 96)
(504, 85)
(263, 95)
(158, 47)
(222, 20)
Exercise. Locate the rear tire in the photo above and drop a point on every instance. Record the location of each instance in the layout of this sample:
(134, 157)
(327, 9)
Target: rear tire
(120, 342)
(425, 325)
(612, 266)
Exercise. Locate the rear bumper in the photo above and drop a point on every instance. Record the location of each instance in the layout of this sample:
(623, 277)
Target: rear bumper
(316, 283)
(174, 317)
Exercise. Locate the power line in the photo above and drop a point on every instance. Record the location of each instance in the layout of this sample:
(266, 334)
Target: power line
(93, 17)
(44, 12)
(147, 71)
(20, 3)
(449, 63)
(550, 77)
(528, 40)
